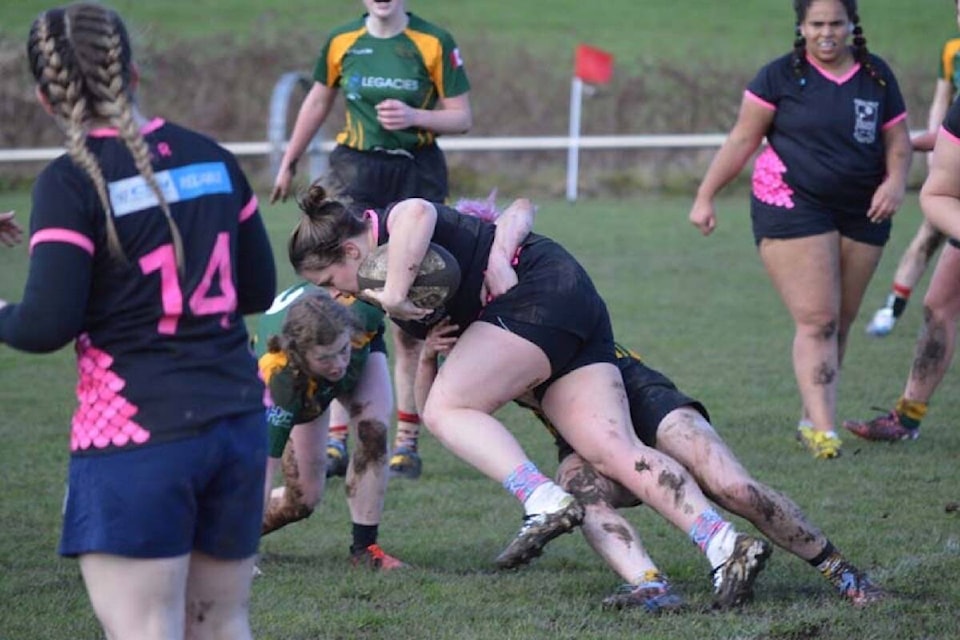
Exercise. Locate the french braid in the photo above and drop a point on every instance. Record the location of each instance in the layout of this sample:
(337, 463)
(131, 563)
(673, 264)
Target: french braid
(81, 58)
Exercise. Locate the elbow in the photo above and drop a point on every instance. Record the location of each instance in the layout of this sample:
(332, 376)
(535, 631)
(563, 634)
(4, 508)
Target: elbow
(467, 122)
(39, 335)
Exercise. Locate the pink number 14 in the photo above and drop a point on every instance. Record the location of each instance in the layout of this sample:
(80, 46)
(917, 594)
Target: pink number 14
(163, 259)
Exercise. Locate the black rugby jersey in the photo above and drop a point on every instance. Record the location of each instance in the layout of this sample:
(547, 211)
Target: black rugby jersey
(826, 140)
(159, 356)
(951, 123)
(469, 240)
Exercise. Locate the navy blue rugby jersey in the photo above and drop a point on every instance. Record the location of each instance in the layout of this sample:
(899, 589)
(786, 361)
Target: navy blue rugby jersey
(159, 356)
(826, 140)
(469, 240)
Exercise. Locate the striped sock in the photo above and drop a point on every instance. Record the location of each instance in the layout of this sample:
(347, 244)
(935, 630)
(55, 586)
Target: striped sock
(714, 535)
(338, 432)
(898, 299)
(408, 431)
(910, 412)
(524, 480)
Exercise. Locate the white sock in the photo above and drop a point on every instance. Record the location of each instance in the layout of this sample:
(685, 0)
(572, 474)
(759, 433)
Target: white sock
(721, 545)
(546, 498)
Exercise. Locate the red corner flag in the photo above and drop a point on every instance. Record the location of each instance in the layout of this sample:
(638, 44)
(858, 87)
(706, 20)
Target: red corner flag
(592, 65)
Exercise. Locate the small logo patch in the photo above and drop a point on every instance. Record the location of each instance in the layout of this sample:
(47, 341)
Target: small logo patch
(867, 114)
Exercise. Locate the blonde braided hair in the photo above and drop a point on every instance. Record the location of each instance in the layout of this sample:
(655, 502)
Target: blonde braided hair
(81, 58)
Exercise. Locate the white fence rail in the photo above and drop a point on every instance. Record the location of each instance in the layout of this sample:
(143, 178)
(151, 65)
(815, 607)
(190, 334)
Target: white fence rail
(520, 143)
(293, 82)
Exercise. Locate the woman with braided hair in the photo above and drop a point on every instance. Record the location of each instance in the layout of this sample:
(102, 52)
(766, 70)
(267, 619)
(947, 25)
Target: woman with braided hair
(824, 190)
(146, 248)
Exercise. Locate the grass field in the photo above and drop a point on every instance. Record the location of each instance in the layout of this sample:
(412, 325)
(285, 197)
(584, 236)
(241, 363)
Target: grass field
(701, 310)
(697, 30)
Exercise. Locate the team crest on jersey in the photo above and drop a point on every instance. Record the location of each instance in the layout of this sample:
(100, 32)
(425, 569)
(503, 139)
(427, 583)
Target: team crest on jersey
(456, 59)
(406, 50)
(867, 114)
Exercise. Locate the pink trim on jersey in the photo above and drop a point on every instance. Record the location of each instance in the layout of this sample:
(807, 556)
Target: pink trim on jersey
(103, 416)
(892, 121)
(752, 97)
(768, 184)
(249, 209)
(62, 235)
(949, 136)
(370, 213)
(109, 132)
(829, 76)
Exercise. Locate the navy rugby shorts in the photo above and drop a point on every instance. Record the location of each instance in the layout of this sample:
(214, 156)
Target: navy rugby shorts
(809, 219)
(203, 493)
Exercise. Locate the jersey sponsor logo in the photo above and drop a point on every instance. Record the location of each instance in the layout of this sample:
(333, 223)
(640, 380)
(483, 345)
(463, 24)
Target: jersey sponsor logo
(360, 52)
(867, 114)
(456, 59)
(278, 415)
(193, 181)
(397, 84)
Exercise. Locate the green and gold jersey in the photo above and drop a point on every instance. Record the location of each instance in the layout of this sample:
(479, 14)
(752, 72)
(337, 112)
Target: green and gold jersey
(417, 67)
(295, 401)
(950, 64)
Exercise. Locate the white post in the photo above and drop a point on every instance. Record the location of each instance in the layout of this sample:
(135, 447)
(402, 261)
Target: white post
(573, 151)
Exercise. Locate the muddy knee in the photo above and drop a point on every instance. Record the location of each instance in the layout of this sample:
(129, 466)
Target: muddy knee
(371, 447)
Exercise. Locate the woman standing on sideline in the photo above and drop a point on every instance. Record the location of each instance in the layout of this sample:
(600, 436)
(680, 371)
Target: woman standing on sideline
(404, 83)
(168, 442)
(823, 190)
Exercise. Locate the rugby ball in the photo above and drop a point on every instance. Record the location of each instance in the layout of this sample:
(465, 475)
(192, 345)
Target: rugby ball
(435, 284)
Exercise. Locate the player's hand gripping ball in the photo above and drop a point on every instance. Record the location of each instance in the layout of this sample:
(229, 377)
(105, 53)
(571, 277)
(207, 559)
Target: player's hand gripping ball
(435, 284)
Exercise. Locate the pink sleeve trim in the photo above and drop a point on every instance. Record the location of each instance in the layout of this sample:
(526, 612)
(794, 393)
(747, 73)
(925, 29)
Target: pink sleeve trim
(749, 95)
(249, 209)
(109, 132)
(892, 121)
(62, 235)
(949, 136)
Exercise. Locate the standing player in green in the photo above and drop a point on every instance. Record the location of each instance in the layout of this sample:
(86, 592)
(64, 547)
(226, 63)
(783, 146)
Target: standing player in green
(313, 349)
(404, 82)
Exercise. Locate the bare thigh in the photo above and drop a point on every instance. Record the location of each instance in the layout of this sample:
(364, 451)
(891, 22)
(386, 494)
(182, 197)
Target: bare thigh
(488, 367)
(806, 274)
(688, 438)
(137, 598)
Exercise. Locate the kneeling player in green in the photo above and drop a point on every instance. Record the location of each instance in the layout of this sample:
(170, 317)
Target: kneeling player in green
(313, 349)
